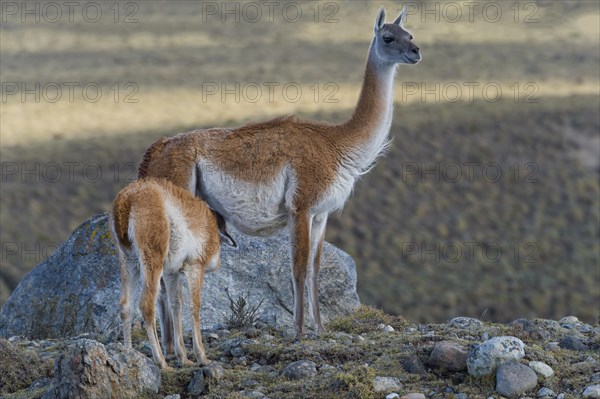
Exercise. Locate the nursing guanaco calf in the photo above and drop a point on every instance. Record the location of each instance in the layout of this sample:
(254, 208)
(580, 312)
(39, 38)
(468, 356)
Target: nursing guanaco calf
(161, 230)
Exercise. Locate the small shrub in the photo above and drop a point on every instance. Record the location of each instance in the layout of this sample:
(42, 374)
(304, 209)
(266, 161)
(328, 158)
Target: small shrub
(242, 313)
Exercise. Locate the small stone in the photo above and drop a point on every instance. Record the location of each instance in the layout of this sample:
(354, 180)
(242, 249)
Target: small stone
(213, 336)
(541, 368)
(449, 356)
(485, 358)
(174, 396)
(572, 343)
(387, 384)
(381, 326)
(560, 396)
(461, 396)
(240, 361)
(252, 394)
(392, 395)
(40, 383)
(545, 392)
(249, 383)
(388, 328)
(237, 351)
(569, 320)
(595, 377)
(414, 365)
(413, 395)
(197, 385)
(592, 391)
(514, 379)
(213, 371)
(255, 367)
(327, 367)
(552, 346)
(360, 338)
(289, 333)
(300, 369)
(465, 322)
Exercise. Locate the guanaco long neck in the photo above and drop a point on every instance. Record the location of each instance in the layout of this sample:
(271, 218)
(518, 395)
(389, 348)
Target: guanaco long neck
(365, 134)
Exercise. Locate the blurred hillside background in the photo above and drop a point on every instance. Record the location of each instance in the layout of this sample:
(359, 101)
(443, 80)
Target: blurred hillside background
(486, 205)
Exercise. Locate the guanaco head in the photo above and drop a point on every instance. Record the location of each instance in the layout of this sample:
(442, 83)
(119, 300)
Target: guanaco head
(393, 43)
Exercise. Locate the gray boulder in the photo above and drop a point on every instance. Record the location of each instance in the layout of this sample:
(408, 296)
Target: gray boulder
(76, 290)
(88, 369)
(484, 359)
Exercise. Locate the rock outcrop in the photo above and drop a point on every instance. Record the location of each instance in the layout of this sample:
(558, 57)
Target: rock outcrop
(76, 290)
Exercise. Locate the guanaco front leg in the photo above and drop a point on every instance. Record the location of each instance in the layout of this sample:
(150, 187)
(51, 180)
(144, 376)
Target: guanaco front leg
(300, 240)
(317, 238)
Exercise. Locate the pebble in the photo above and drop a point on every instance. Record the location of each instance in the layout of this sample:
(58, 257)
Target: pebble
(392, 395)
(461, 396)
(568, 321)
(327, 367)
(252, 394)
(249, 383)
(552, 346)
(514, 379)
(545, 392)
(414, 365)
(541, 368)
(595, 377)
(385, 328)
(485, 358)
(174, 396)
(255, 367)
(592, 391)
(197, 386)
(465, 322)
(561, 396)
(448, 355)
(387, 384)
(413, 395)
(300, 369)
(572, 343)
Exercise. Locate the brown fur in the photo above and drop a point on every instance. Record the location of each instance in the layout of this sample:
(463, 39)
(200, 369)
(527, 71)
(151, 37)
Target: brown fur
(144, 202)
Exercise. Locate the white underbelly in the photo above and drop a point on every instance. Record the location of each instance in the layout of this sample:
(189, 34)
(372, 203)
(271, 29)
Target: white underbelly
(253, 208)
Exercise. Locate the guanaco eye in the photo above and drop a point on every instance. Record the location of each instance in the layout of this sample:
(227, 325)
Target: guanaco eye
(388, 39)
(411, 37)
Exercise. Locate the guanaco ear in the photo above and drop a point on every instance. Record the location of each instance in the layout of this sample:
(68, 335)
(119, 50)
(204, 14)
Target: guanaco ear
(227, 239)
(401, 18)
(380, 20)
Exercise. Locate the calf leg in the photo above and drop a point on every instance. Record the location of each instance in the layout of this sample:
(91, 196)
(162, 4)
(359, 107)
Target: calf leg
(125, 300)
(195, 278)
(148, 307)
(166, 320)
(174, 292)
